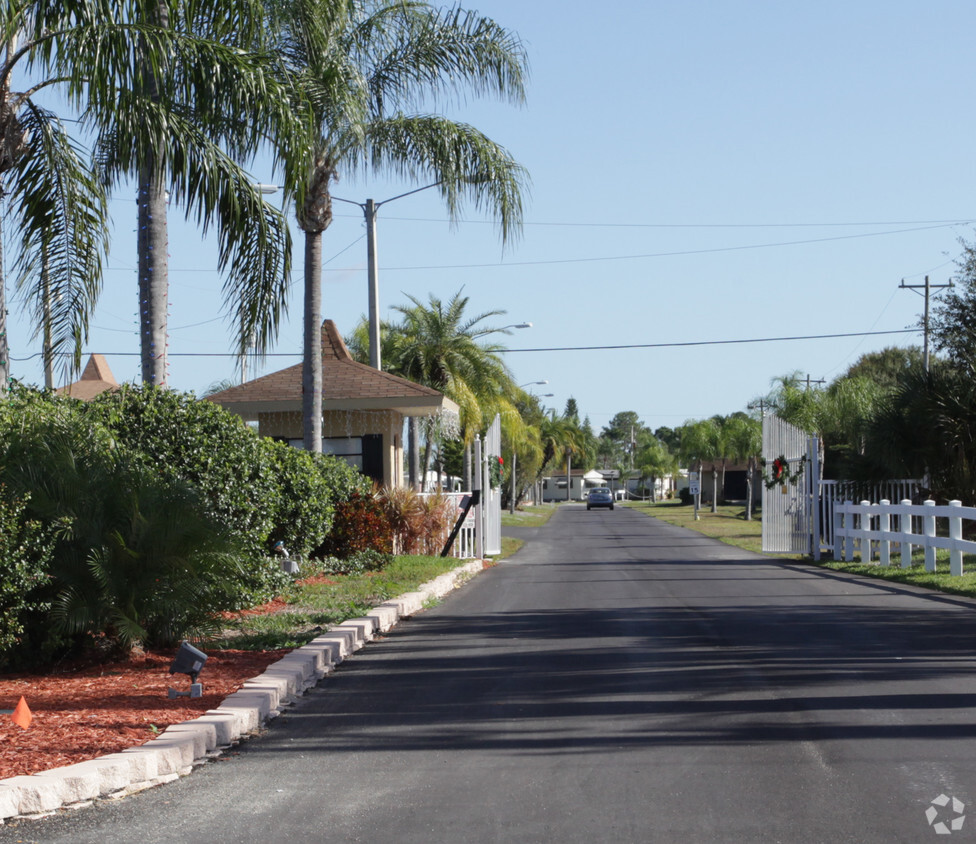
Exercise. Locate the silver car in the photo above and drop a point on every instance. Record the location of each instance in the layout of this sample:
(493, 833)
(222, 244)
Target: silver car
(599, 497)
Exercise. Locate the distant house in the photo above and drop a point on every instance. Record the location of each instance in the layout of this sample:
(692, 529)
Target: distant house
(363, 409)
(736, 482)
(95, 379)
(554, 487)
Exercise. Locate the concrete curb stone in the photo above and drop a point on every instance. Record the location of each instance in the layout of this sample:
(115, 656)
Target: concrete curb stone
(183, 746)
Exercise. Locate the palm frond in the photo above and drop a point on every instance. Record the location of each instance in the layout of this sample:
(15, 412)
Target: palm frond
(63, 221)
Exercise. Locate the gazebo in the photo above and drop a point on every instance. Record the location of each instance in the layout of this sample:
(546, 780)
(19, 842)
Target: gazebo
(363, 409)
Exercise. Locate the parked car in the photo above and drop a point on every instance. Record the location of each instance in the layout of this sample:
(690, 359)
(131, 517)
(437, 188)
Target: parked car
(599, 497)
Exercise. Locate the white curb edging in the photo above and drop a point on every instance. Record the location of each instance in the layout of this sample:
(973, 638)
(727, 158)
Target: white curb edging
(182, 746)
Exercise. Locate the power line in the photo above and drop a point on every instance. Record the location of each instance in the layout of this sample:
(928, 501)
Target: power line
(675, 254)
(555, 348)
(711, 342)
(954, 222)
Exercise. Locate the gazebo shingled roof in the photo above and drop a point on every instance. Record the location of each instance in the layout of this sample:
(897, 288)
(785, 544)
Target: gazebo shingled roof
(346, 385)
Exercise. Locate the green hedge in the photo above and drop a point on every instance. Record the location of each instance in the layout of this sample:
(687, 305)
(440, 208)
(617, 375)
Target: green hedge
(164, 509)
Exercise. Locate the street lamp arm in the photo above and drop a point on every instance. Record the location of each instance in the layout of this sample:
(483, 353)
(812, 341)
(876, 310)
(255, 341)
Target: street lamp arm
(503, 328)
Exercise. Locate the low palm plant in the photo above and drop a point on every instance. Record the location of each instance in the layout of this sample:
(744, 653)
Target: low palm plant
(439, 511)
(405, 510)
(136, 561)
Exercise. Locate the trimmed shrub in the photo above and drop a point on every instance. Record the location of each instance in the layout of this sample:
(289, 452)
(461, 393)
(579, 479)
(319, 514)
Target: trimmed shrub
(360, 524)
(310, 485)
(26, 547)
(182, 438)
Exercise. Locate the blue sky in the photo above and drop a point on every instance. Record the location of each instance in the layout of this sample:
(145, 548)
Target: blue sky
(700, 171)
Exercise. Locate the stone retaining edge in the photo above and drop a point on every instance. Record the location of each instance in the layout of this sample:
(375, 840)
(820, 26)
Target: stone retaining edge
(181, 747)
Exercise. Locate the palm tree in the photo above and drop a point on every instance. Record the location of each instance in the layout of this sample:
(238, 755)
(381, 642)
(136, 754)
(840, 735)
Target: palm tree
(743, 441)
(56, 201)
(438, 346)
(699, 442)
(653, 460)
(562, 439)
(173, 96)
(365, 64)
(200, 97)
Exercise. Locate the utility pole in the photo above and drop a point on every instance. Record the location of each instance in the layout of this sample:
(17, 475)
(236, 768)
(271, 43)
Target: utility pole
(814, 381)
(762, 404)
(927, 287)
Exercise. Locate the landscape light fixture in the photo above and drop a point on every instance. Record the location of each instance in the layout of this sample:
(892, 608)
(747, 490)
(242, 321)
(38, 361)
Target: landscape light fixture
(288, 565)
(189, 661)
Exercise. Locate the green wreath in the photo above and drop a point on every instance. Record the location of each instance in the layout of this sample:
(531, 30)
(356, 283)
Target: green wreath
(496, 471)
(779, 472)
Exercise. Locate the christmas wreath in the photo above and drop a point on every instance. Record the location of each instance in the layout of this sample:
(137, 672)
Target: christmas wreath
(779, 472)
(496, 470)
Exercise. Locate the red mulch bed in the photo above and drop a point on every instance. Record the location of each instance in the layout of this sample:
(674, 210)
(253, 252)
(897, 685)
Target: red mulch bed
(92, 711)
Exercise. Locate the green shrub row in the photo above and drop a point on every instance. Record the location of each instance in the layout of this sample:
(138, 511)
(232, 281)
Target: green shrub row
(137, 517)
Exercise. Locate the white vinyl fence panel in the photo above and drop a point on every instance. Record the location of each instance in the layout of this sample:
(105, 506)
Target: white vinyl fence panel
(839, 492)
(787, 518)
(865, 528)
(492, 499)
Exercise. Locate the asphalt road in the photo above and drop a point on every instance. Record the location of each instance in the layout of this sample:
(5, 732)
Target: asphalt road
(617, 680)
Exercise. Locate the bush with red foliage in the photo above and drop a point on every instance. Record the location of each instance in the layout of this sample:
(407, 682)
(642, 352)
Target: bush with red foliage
(360, 524)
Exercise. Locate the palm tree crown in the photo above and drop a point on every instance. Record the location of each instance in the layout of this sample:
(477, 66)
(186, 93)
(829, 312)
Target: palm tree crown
(367, 65)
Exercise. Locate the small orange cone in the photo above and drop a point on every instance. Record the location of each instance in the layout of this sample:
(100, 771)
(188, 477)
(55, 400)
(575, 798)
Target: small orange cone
(22, 715)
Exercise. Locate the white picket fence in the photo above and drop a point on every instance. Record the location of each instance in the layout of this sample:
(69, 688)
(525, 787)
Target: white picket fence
(465, 544)
(865, 528)
(832, 493)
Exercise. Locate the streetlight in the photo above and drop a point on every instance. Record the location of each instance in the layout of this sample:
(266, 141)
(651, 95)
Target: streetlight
(370, 207)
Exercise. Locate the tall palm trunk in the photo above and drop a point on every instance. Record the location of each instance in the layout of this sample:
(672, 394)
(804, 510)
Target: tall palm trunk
(425, 462)
(47, 357)
(152, 248)
(12, 140)
(413, 445)
(314, 218)
(153, 275)
(312, 345)
(4, 348)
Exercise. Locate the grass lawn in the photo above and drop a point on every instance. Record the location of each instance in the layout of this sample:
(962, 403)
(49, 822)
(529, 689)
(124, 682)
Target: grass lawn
(308, 608)
(529, 516)
(730, 526)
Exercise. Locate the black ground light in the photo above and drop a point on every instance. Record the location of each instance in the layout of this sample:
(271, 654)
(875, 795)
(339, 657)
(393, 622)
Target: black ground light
(188, 660)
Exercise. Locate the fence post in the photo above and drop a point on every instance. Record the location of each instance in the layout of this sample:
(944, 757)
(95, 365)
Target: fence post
(955, 532)
(885, 527)
(478, 474)
(850, 522)
(905, 527)
(863, 540)
(839, 523)
(929, 528)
